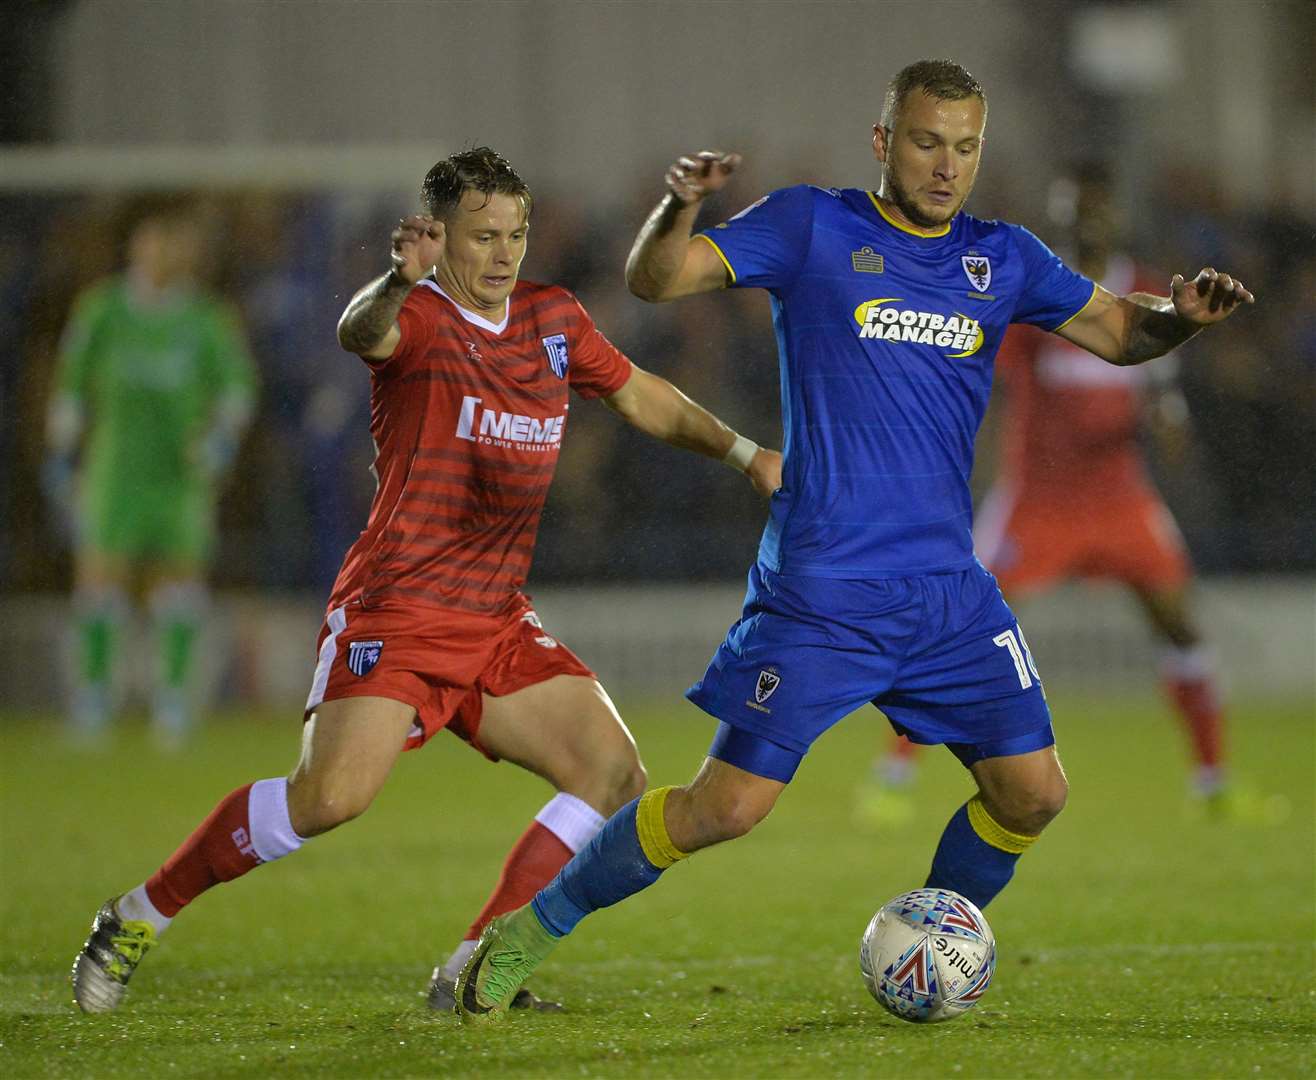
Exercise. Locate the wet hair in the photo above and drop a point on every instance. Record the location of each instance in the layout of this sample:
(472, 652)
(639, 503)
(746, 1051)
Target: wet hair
(478, 169)
(944, 80)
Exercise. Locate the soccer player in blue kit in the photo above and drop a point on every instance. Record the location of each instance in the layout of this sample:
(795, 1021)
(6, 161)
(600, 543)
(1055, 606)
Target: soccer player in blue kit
(888, 308)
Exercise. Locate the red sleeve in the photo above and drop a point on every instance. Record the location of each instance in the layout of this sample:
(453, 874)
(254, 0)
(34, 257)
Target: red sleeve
(1017, 349)
(1145, 280)
(418, 323)
(596, 368)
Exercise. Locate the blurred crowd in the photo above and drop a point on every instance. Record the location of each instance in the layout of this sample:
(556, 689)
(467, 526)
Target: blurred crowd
(621, 510)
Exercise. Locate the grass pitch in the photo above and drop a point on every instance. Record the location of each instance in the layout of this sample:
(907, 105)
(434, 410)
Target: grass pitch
(1137, 940)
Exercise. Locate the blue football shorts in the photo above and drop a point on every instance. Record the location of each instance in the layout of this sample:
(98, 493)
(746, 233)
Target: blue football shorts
(941, 655)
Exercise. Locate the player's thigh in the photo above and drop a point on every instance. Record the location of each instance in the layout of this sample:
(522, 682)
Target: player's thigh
(349, 746)
(1022, 791)
(1169, 610)
(567, 730)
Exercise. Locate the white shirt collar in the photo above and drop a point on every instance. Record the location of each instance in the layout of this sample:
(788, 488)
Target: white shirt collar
(471, 316)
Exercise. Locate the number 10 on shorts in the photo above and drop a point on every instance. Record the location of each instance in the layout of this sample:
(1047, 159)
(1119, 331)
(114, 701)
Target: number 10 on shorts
(1021, 655)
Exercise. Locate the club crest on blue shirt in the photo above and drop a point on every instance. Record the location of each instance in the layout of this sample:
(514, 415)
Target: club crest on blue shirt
(362, 656)
(766, 685)
(555, 347)
(978, 269)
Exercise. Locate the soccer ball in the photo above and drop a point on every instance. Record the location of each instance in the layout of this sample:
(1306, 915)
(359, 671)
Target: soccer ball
(928, 955)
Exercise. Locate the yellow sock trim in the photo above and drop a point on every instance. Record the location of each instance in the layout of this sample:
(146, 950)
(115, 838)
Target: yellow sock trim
(992, 832)
(656, 844)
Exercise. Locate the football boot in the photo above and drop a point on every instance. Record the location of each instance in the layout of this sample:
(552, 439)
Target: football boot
(111, 954)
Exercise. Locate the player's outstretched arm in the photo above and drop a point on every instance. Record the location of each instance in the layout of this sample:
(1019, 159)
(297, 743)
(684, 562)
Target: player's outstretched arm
(1131, 329)
(665, 262)
(368, 325)
(658, 408)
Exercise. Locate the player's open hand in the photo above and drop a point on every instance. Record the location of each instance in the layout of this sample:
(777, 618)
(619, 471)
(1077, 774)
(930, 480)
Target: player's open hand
(693, 179)
(764, 471)
(417, 246)
(1209, 297)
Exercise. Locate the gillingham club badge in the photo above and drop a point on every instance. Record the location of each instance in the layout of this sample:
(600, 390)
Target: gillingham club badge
(555, 348)
(362, 656)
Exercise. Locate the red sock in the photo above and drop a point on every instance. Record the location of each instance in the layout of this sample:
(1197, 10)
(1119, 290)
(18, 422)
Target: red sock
(532, 863)
(219, 850)
(1197, 701)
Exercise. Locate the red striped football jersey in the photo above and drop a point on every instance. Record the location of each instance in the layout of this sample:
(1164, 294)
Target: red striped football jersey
(468, 418)
(1071, 419)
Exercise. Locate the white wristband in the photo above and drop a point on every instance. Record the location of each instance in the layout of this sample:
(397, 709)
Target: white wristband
(741, 453)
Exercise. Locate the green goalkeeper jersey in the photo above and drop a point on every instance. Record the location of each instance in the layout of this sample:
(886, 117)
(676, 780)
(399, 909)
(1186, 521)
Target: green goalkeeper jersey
(151, 378)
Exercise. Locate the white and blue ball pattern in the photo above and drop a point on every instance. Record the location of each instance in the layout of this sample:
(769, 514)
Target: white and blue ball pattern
(928, 955)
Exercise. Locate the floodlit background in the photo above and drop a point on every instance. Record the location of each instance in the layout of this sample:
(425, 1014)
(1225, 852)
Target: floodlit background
(307, 126)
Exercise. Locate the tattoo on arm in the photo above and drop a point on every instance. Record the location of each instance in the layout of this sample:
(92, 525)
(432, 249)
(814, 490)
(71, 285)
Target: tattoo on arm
(371, 313)
(1153, 328)
(659, 250)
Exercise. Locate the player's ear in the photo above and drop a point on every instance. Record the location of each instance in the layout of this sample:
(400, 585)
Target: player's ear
(880, 142)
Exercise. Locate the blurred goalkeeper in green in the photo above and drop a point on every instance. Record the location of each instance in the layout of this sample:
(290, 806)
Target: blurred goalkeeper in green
(153, 391)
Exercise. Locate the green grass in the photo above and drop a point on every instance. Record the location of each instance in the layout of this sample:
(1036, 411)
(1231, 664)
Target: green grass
(1135, 941)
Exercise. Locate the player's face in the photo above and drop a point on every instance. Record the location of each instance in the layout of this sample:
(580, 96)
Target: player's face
(166, 250)
(930, 156)
(483, 250)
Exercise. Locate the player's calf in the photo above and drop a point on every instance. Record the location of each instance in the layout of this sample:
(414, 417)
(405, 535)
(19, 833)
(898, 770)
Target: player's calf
(723, 802)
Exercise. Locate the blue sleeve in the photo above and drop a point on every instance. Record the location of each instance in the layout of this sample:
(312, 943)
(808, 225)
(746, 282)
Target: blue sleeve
(1052, 293)
(765, 245)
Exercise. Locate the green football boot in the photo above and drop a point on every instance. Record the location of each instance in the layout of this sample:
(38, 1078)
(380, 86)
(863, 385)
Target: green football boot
(111, 954)
(508, 951)
(441, 996)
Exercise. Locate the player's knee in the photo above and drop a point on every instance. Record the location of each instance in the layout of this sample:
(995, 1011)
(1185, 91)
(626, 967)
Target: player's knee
(730, 817)
(607, 780)
(1028, 810)
(629, 783)
(317, 808)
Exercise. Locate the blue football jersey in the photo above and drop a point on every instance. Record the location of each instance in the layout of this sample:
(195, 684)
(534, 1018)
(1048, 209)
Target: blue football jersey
(886, 339)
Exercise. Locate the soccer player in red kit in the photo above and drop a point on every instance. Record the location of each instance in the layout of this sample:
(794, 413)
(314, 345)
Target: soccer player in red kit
(427, 626)
(1074, 498)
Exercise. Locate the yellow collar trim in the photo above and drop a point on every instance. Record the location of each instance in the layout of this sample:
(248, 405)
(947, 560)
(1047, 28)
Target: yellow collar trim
(926, 233)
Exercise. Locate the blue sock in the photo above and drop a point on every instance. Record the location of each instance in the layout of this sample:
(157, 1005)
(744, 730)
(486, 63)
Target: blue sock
(976, 855)
(628, 854)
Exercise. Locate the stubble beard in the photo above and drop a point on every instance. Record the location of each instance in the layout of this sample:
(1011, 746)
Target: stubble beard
(906, 205)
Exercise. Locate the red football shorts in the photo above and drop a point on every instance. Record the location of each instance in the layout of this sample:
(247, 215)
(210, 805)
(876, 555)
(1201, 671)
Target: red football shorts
(441, 662)
(1128, 536)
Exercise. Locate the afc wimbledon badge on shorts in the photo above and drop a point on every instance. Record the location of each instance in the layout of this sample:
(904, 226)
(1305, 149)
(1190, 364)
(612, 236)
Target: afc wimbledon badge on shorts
(978, 269)
(764, 687)
(362, 656)
(555, 345)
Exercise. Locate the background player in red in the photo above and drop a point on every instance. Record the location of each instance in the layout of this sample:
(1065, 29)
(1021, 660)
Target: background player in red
(1074, 498)
(427, 626)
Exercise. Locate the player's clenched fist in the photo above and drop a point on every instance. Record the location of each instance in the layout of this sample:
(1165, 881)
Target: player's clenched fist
(417, 246)
(692, 179)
